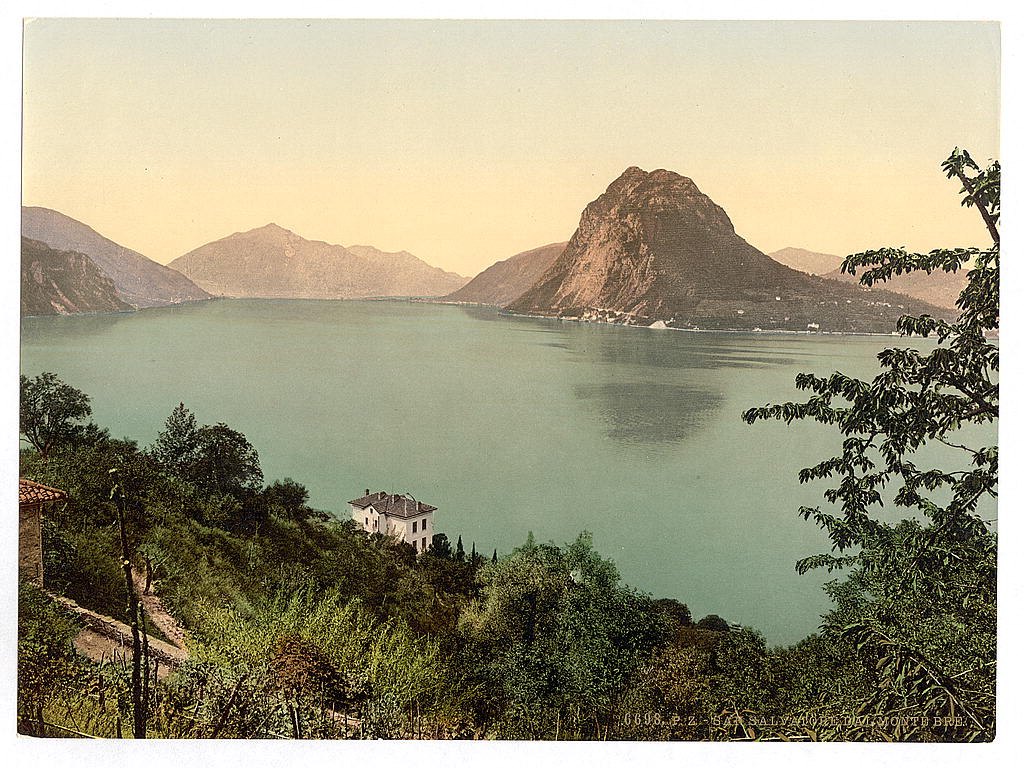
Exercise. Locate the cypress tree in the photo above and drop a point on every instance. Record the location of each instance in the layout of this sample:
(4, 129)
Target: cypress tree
(460, 552)
(176, 448)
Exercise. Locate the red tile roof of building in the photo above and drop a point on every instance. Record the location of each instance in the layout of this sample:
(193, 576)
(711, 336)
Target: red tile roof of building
(31, 492)
(393, 504)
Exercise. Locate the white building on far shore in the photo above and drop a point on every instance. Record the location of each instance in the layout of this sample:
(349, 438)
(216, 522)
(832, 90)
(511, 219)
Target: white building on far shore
(395, 514)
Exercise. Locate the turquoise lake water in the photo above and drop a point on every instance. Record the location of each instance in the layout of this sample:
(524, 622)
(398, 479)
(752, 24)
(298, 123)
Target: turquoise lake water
(506, 424)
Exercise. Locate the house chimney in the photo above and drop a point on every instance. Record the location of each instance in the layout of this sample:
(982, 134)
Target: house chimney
(367, 491)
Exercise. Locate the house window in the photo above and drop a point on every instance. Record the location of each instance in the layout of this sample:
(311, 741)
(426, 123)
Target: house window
(367, 521)
(414, 526)
(424, 545)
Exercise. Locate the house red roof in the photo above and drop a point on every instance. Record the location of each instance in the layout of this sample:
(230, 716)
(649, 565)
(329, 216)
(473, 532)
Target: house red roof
(393, 504)
(31, 492)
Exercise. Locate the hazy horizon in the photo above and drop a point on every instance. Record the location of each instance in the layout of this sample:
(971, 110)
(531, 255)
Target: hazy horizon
(465, 142)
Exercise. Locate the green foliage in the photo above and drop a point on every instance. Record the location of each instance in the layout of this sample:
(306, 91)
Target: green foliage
(928, 644)
(820, 674)
(917, 399)
(675, 613)
(85, 567)
(51, 413)
(176, 447)
(704, 684)
(83, 472)
(45, 654)
(297, 621)
(557, 638)
(220, 463)
(225, 461)
(919, 605)
(440, 547)
(287, 499)
(448, 577)
(714, 623)
(327, 648)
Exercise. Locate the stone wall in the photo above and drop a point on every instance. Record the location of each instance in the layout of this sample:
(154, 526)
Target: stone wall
(30, 543)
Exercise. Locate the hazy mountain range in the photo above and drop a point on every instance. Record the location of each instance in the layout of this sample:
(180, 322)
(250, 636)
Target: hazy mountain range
(505, 281)
(653, 249)
(139, 281)
(69, 268)
(807, 261)
(273, 262)
(939, 288)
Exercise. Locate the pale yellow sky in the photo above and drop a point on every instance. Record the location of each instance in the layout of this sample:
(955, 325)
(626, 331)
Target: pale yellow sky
(466, 142)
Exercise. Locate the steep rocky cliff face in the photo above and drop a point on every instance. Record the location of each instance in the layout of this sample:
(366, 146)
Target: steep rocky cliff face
(654, 249)
(64, 283)
(273, 262)
(507, 280)
(139, 281)
(803, 260)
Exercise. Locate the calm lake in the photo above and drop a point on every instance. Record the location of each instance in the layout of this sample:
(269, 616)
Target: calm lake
(506, 424)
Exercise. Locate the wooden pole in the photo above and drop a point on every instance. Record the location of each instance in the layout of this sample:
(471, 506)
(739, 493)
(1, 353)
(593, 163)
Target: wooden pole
(138, 711)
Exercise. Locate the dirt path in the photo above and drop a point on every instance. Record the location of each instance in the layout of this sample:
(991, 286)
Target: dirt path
(105, 639)
(103, 649)
(157, 613)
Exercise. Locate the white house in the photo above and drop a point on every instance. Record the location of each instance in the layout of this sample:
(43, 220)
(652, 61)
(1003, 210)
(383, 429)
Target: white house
(395, 514)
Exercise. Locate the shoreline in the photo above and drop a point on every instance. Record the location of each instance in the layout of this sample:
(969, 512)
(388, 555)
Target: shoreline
(751, 331)
(497, 309)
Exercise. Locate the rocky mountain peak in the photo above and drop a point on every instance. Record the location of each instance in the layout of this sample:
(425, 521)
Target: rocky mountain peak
(634, 179)
(274, 262)
(654, 249)
(659, 191)
(270, 231)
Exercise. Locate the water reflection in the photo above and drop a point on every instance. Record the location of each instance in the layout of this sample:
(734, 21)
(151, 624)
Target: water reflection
(652, 348)
(739, 361)
(64, 328)
(649, 390)
(650, 414)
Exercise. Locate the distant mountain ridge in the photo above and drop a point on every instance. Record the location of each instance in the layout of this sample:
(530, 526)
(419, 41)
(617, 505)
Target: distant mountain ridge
(408, 271)
(64, 283)
(939, 288)
(653, 249)
(139, 281)
(274, 262)
(812, 262)
(504, 281)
